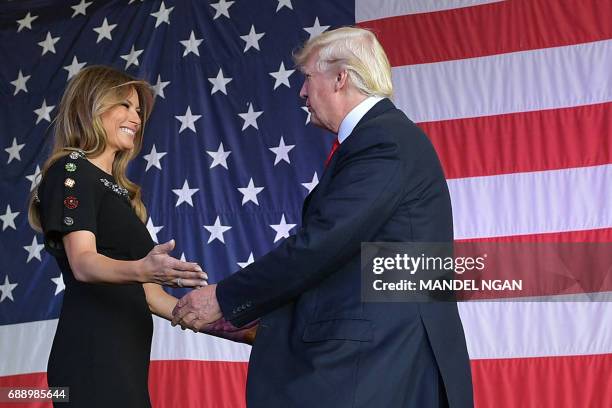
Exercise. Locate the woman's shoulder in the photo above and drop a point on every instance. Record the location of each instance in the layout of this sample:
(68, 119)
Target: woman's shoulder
(70, 169)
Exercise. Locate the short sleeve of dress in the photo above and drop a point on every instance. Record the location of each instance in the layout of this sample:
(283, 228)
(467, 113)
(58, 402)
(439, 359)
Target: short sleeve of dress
(70, 197)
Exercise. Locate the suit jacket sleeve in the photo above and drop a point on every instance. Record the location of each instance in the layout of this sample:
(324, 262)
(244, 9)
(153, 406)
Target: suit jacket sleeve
(365, 189)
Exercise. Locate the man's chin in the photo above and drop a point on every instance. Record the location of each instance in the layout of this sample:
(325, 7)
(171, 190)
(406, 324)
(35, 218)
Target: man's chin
(314, 121)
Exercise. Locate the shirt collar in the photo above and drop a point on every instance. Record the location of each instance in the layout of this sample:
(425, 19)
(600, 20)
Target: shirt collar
(354, 116)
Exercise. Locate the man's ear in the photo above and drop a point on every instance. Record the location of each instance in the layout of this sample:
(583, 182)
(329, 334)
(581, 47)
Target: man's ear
(341, 80)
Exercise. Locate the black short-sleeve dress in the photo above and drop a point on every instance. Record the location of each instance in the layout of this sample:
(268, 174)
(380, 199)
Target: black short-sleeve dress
(102, 345)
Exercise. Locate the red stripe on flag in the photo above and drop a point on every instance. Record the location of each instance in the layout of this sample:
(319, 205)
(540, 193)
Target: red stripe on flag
(181, 383)
(489, 29)
(567, 381)
(172, 383)
(523, 142)
(34, 380)
(527, 269)
(595, 235)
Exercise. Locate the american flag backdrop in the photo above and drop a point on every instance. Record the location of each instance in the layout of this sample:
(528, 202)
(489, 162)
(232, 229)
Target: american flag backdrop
(515, 95)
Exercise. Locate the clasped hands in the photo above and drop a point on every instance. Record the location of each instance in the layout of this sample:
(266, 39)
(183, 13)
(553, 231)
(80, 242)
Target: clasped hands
(199, 311)
(196, 309)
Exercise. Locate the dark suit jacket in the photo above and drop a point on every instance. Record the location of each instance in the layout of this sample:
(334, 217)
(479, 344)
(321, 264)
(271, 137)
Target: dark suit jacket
(317, 344)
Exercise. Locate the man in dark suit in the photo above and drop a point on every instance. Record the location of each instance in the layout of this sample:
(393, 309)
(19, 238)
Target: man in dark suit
(318, 345)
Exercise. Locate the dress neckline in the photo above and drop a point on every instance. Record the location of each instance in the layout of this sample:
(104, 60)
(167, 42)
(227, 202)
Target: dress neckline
(99, 169)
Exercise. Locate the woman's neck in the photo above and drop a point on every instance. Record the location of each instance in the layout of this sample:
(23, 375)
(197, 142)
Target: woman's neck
(104, 161)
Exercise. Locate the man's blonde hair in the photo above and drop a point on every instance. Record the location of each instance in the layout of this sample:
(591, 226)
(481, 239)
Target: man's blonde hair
(358, 51)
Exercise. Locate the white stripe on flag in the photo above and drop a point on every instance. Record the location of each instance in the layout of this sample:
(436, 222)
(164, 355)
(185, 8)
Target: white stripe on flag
(536, 329)
(29, 344)
(493, 330)
(172, 343)
(532, 203)
(515, 82)
(366, 10)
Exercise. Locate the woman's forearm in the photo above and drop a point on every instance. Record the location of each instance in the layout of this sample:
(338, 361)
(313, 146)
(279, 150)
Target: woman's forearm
(157, 266)
(93, 267)
(160, 302)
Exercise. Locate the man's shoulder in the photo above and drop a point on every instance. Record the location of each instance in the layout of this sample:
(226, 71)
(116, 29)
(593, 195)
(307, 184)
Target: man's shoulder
(390, 125)
(390, 128)
(384, 114)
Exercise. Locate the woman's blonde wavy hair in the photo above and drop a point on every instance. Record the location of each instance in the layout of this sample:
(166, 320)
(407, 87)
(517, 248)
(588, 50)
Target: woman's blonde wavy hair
(78, 126)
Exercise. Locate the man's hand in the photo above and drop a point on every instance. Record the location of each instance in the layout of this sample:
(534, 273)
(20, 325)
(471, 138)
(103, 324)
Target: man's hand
(197, 308)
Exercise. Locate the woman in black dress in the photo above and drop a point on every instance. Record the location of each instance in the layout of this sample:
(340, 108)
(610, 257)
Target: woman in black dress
(93, 219)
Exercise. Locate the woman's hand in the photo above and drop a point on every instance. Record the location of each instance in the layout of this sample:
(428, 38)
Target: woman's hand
(159, 267)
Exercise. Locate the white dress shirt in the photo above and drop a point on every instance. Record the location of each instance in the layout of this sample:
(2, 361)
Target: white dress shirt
(354, 116)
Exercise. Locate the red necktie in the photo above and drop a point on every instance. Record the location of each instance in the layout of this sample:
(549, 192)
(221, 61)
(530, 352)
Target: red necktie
(332, 151)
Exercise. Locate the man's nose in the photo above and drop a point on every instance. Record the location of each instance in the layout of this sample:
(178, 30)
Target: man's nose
(303, 92)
